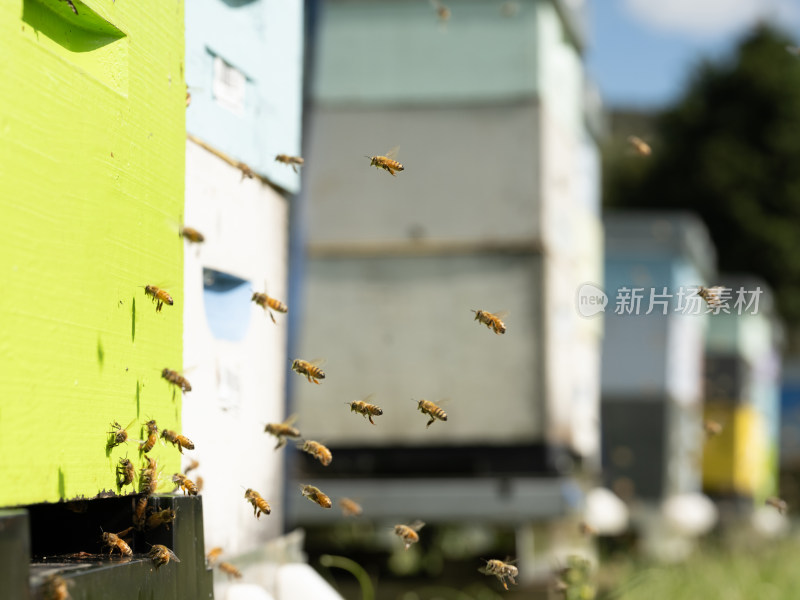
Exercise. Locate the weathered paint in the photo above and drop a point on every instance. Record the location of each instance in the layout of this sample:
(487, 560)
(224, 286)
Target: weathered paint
(263, 40)
(91, 192)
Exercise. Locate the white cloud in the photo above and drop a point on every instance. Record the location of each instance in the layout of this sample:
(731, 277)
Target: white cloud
(711, 17)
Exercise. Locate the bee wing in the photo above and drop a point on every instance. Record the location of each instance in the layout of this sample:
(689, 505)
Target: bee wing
(317, 362)
(173, 556)
(368, 398)
(392, 153)
(417, 525)
(290, 420)
(129, 424)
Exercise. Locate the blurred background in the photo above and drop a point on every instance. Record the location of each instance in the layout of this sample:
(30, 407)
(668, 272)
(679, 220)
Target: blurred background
(618, 180)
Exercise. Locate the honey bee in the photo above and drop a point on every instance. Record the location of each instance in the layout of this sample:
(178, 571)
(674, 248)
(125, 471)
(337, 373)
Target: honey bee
(639, 145)
(585, 529)
(290, 160)
(139, 512)
(267, 302)
(114, 541)
(161, 517)
(118, 435)
(125, 472)
(427, 407)
(365, 409)
(159, 296)
(177, 380)
(148, 478)
(780, 505)
(712, 295)
(387, 163)
(492, 321)
(318, 451)
(350, 508)
(501, 570)
(316, 495)
(152, 437)
(408, 533)
(230, 570)
(712, 428)
(55, 588)
(309, 369)
(441, 11)
(213, 555)
(161, 555)
(283, 430)
(192, 235)
(246, 171)
(259, 504)
(187, 485)
(193, 464)
(181, 441)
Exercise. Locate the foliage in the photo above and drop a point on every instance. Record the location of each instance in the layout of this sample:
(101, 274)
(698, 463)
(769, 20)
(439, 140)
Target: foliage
(730, 150)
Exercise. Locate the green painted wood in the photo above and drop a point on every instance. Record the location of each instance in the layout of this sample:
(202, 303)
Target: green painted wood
(91, 191)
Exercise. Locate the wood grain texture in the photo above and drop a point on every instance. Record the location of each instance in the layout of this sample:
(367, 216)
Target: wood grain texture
(91, 186)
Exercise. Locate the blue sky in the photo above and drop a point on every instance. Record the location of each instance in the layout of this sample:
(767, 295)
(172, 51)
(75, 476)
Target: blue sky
(641, 52)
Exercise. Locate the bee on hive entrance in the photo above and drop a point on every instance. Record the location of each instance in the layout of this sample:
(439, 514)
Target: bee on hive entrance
(387, 163)
(187, 485)
(308, 368)
(152, 437)
(118, 435)
(491, 320)
(126, 472)
(408, 533)
(426, 407)
(161, 555)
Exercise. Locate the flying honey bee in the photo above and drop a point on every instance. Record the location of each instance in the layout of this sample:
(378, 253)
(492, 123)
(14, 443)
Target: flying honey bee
(780, 505)
(293, 161)
(177, 379)
(114, 541)
(193, 464)
(318, 451)
(426, 407)
(152, 437)
(161, 517)
(316, 495)
(712, 295)
(231, 571)
(192, 235)
(267, 302)
(159, 296)
(259, 504)
(442, 11)
(309, 369)
(187, 485)
(126, 472)
(408, 533)
(118, 435)
(283, 430)
(350, 508)
(712, 428)
(365, 409)
(585, 529)
(161, 555)
(387, 163)
(148, 477)
(199, 482)
(139, 513)
(491, 320)
(213, 555)
(641, 147)
(501, 570)
(180, 441)
(55, 588)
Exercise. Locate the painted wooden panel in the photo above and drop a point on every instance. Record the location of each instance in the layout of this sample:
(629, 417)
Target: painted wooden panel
(261, 43)
(91, 194)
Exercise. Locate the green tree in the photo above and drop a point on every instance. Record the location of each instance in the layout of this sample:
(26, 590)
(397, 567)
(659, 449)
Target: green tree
(730, 151)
